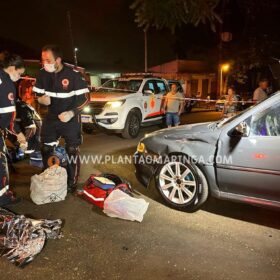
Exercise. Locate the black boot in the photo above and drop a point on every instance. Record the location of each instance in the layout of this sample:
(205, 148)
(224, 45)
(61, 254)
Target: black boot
(71, 188)
(8, 198)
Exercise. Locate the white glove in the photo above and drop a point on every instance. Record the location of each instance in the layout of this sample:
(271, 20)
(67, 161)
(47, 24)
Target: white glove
(23, 146)
(66, 116)
(44, 100)
(21, 138)
(22, 141)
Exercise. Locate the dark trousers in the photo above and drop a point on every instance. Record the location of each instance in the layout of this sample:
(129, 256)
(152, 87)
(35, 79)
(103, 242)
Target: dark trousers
(52, 130)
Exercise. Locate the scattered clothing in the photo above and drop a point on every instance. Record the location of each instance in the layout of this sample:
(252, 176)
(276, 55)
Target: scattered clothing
(21, 238)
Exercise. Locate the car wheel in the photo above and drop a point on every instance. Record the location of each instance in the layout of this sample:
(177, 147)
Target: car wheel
(88, 129)
(132, 125)
(182, 185)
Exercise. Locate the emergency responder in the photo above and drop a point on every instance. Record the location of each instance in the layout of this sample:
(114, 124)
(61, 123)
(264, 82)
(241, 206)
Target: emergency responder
(65, 92)
(12, 67)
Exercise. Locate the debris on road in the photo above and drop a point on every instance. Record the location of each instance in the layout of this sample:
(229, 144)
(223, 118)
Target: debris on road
(21, 238)
(120, 205)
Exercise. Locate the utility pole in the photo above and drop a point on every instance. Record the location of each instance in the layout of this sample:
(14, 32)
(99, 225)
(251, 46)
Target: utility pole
(146, 50)
(73, 49)
(220, 49)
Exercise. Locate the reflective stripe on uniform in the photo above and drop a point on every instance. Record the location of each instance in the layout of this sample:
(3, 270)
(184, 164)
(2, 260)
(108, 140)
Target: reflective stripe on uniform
(38, 90)
(67, 94)
(5, 189)
(81, 91)
(9, 109)
(60, 94)
(52, 143)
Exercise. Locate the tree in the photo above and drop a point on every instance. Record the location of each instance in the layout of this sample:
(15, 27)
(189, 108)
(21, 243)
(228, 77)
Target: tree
(172, 14)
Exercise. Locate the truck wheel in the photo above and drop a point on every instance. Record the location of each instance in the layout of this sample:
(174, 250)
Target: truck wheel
(132, 125)
(182, 185)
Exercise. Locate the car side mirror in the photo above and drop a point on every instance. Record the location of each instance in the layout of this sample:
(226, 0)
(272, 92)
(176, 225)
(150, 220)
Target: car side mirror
(148, 92)
(241, 130)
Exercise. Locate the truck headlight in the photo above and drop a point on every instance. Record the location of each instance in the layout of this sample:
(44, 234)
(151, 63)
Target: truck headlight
(87, 109)
(114, 104)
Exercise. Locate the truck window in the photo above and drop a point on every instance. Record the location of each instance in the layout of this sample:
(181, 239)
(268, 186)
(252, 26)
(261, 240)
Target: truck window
(161, 87)
(149, 86)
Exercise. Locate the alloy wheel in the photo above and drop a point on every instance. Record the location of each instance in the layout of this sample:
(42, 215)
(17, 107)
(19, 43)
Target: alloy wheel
(177, 183)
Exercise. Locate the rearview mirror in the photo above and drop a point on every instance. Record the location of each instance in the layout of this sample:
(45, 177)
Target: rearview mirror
(241, 130)
(148, 92)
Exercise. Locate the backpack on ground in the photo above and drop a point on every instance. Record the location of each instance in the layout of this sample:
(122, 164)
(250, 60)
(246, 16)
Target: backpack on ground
(98, 187)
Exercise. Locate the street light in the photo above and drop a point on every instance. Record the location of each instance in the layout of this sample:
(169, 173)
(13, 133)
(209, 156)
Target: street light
(75, 56)
(224, 68)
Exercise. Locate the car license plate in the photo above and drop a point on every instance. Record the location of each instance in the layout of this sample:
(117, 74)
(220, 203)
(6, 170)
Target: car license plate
(86, 118)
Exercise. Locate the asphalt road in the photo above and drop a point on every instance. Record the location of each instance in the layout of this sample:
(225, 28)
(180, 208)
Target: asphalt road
(224, 240)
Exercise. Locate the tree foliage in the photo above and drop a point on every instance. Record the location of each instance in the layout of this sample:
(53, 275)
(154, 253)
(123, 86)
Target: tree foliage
(174, 13)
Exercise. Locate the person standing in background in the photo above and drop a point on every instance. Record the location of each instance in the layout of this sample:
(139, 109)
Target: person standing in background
(173, 106)
(230, 107)
(261, 92)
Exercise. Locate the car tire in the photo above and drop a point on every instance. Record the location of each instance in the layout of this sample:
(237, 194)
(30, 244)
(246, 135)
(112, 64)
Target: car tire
(132, 125)
(189, 201)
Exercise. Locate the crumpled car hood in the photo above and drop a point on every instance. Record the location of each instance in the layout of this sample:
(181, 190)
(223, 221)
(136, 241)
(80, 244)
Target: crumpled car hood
(191, 139)
(191, 131)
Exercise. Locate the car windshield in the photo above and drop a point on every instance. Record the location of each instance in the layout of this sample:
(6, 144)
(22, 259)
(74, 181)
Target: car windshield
(117, 85)
(228, 120)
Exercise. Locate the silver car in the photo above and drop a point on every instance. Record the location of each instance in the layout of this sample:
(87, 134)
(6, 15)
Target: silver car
(236, 159)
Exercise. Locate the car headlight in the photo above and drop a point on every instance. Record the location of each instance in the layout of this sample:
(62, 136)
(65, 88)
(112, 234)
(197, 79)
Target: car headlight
(87, 109)
(141, 148)
(114, 104)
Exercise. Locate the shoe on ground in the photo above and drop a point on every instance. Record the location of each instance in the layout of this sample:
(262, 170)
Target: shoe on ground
(8, 198)
(71, 189)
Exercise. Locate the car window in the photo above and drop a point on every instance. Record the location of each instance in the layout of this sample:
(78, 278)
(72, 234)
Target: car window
(161, 87)
(150, 86)
(266, 123)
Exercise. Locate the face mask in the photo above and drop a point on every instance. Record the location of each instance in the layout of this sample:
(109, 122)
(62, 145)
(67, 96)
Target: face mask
(49, 67)
(15, 76)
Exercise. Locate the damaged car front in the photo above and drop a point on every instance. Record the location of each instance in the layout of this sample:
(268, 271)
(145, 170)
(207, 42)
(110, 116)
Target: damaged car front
(180, 159)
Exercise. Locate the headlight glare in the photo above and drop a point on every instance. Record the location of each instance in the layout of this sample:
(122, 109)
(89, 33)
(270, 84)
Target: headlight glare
(87, 109)
(114, 104)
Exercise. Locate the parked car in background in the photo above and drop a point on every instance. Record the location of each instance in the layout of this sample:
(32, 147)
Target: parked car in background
(236, 159)
(123, 105)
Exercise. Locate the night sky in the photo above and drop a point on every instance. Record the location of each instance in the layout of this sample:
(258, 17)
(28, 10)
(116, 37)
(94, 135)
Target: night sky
(109, 40)
(104, 31)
